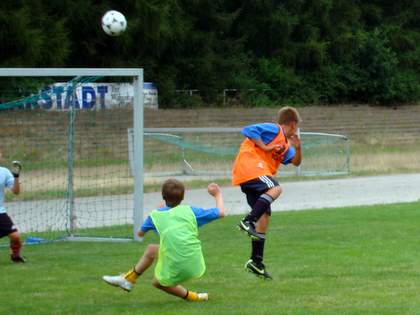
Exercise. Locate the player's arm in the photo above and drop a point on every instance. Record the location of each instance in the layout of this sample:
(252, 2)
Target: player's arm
(293, 155)
(148, 223)
(12, 182)
(16, 186)
(295, 141)
(16, 168)
(214, 190)
(262, 134)
(146, 226)
(205, 216)
(266, 147)
(298, 157)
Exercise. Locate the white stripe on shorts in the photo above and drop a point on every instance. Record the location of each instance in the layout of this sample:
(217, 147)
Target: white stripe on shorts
(267, 180)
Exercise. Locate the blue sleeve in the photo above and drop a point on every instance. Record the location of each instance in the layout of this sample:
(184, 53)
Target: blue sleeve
(147, 225)
(205, 216)
(265, 131)
(10, 180)
(289, 155)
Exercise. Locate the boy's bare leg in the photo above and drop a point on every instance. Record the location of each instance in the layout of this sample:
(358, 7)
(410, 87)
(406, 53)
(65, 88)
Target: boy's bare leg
(128, 280)
(178, 290)
(274, 192)
(181, 292)
(145, 261)
(15, 247)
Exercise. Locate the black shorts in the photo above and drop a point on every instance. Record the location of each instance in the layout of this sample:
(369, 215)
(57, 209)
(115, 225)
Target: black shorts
(6, 225)
(254, 188)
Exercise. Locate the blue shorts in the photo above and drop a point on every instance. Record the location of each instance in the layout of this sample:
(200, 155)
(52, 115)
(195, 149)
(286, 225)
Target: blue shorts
(254, 188)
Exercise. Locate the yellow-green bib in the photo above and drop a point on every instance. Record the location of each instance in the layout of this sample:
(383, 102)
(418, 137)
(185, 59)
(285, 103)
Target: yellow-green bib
(180, 255)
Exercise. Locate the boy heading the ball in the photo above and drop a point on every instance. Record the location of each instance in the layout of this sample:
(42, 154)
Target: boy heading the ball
(266, 147)
(178, 256)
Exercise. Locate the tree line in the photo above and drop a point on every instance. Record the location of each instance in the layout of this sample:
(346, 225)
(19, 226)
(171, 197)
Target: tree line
(269, 51)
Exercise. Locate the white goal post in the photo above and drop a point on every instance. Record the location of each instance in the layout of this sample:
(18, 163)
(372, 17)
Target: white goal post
(137, 75)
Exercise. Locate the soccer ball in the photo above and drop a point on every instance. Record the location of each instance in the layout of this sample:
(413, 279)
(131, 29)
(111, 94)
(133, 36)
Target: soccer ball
(114, 23)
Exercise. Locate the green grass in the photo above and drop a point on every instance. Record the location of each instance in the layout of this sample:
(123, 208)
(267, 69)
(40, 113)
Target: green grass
(361, 260)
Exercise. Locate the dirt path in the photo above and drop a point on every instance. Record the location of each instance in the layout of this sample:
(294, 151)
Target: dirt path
(117, 209)
(324, 193)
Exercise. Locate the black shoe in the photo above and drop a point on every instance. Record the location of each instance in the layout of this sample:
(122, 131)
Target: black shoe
(249, 228)
(258, 269)
(17, 259)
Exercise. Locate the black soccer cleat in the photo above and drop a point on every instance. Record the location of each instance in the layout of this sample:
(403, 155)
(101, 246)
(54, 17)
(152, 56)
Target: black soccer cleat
(257, 269)
(249, 228)
(17, 258)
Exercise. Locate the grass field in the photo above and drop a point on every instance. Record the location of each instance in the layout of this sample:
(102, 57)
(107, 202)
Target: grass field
(362, 260)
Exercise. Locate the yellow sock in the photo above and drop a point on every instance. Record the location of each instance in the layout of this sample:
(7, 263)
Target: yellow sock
(131, 276)
(196, 297)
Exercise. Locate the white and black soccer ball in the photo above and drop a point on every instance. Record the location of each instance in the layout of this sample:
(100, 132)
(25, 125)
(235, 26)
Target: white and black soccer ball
(114, 23)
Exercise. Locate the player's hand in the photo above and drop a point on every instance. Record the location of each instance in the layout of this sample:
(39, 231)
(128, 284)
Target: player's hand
(16, 168)
(141, 234)
(266, 147)
(295, 141)
(213, 189)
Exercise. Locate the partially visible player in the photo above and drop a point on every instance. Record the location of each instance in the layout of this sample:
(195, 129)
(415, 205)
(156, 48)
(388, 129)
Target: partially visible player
(267, 145)
(10, 179)
(178, 256)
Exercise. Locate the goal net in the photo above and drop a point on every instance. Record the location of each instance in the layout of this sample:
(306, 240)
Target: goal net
(68, 127)
(210, 153)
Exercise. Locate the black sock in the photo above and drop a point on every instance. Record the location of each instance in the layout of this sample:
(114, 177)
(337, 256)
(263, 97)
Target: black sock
(258, 250)
(260, 207)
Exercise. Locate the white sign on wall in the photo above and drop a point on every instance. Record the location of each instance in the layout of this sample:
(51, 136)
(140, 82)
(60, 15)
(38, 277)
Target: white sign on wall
(93, 96)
